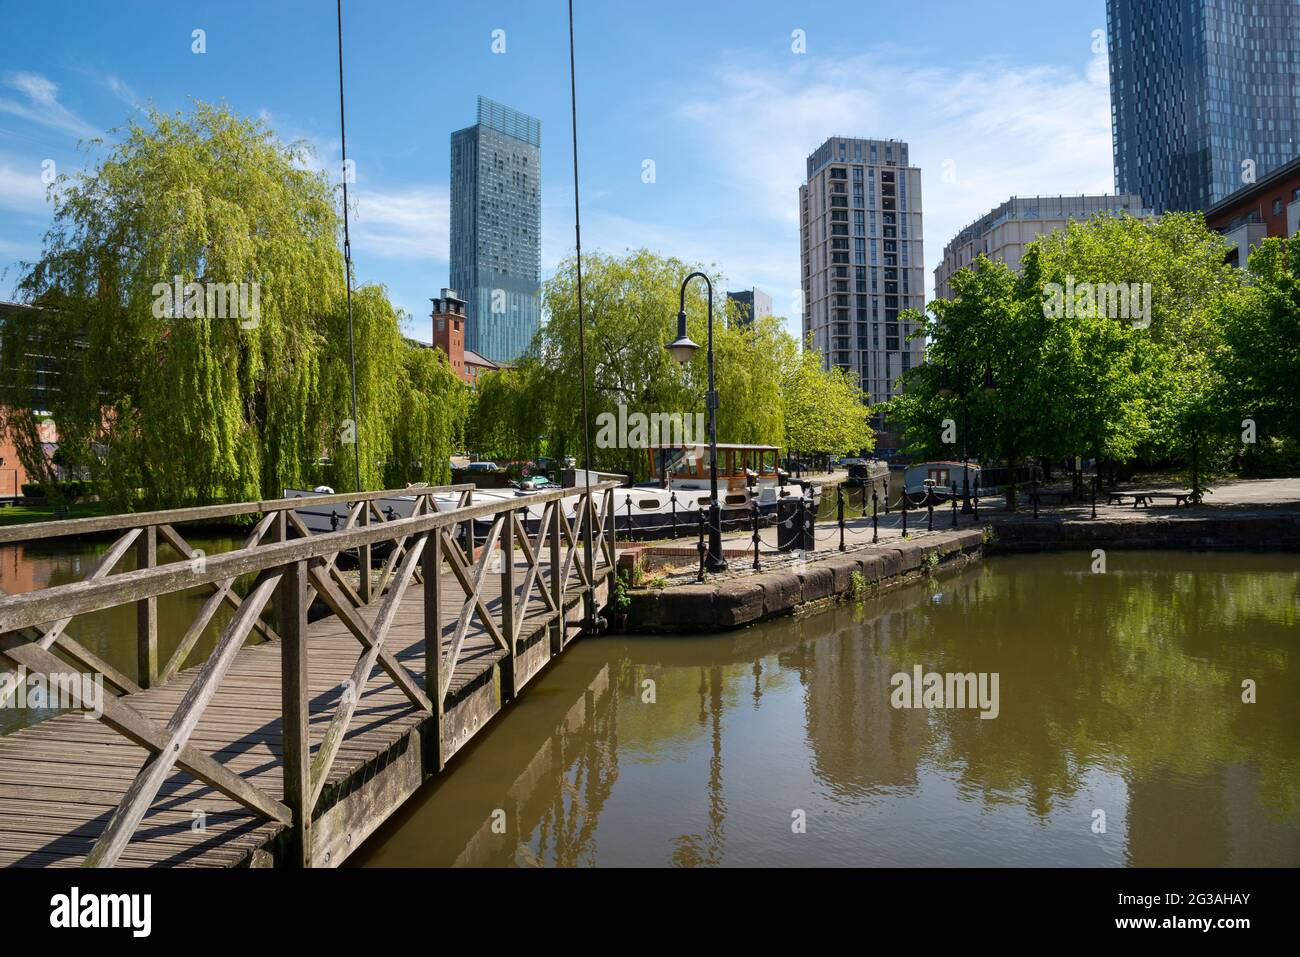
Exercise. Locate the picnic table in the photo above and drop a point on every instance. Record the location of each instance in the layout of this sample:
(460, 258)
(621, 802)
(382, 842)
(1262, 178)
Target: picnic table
(1146, 497)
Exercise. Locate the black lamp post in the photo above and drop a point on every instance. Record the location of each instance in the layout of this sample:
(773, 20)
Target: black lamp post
(681, 349)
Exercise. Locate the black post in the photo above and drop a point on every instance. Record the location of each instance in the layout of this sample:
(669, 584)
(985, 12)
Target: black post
(875, 517)
(629, 517)
(839, 504)
(864, 495)
(930, 507)
(755, 521)
(672, 500)
(1033, 485)
(801, 520)
(977, 498)
(904, 512)
(1094, 503)
(701, 546)
(954, 504)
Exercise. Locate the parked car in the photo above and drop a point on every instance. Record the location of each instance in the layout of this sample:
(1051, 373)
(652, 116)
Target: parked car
(483, 467)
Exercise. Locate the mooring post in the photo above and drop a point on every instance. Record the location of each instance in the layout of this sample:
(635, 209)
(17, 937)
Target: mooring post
(754, 513)
(954, 504)
(839, 504)
(701, 546)
(672, 501)
(887, 494)
(977, 498)
(905, 504)
(629, 516)
(1094, 503)
(875, 517)
(930, 508)
(291, 615)
(146, 612)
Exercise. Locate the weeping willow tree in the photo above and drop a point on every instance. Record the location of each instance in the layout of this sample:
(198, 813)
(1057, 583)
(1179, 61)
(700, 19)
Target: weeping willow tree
(430, 423)
(193, 305)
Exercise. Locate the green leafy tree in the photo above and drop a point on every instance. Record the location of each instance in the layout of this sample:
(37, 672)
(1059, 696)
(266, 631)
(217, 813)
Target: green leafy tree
(238, 386)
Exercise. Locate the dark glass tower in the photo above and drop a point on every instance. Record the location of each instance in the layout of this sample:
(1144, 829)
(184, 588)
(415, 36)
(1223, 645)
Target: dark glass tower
(495, 229)
(1205, 96)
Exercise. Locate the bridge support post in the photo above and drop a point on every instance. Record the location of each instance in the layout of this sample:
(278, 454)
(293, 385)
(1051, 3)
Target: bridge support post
(507, 546)
(559, 630)
(291, 612)
(146, 612)
(433, 666)
(363, 560)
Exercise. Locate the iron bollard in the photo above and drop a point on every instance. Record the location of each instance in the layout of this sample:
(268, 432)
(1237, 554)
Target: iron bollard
(1094, 503)
(801, 522)
(863, 484)
(875, 517)
(904, 504)
(840, 506)
(701, 546)
(930, 507)
(886, 495)
(954, 504)
(977, 498)
(629, 517)
(754, 512)
(672, 500)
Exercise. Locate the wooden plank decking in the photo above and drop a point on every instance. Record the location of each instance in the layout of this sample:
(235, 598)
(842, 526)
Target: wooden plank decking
(61, 779)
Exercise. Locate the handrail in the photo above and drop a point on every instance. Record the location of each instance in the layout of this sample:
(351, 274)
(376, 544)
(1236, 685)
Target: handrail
(291, 574)
(77, 598)
(198, 513)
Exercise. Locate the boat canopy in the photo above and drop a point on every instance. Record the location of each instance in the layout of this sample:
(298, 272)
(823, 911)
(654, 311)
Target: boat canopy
(692, 460)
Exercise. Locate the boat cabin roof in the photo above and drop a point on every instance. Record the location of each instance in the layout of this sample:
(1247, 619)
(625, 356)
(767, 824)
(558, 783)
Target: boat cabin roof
(722, 446)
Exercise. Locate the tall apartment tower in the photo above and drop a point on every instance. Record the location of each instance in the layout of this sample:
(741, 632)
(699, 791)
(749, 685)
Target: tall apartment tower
(495, 229)
(862, 259)
(1204, 96)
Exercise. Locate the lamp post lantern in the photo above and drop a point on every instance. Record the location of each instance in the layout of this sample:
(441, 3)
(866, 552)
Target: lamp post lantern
(682, 349)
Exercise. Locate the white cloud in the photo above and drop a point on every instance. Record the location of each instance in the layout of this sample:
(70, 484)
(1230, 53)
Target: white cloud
(413, 223)
(41, 104)
(21, 189)
(119, 88)
(1007, 130)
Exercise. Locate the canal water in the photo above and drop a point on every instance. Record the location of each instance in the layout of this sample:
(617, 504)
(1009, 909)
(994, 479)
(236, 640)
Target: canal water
(1120, 737)
(110, 633)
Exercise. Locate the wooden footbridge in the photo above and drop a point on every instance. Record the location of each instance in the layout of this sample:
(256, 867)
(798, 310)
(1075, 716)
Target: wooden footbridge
(321, 706)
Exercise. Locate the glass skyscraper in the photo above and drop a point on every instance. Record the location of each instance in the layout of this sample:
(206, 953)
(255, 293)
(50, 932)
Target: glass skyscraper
(1205, 96)
(495, 229)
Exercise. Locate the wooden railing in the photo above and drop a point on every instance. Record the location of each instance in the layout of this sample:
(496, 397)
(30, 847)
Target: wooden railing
(292, 568)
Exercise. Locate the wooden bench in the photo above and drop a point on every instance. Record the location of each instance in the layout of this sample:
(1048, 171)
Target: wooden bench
(1146, 498)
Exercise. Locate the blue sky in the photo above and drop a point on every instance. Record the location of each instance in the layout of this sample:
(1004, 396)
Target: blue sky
(995, 100)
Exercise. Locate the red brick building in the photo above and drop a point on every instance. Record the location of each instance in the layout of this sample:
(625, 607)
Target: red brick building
(1269, 207)
(449, 336)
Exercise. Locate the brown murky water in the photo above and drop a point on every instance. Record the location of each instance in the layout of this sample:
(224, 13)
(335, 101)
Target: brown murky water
(1119, 694)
